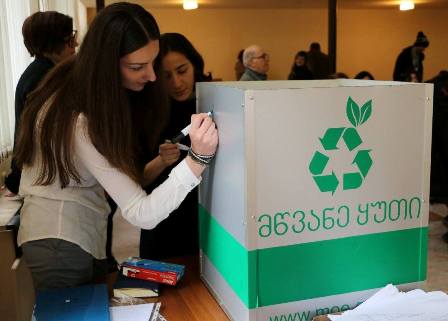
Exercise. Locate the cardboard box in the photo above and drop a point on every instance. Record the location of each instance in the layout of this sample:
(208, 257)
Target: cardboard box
(318, 195)
(16, 290)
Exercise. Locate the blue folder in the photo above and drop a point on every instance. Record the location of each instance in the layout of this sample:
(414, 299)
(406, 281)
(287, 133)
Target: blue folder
(83, 303)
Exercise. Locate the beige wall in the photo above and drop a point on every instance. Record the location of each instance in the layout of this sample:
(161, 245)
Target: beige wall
(220, 34)
(367, 39)
(372, 39)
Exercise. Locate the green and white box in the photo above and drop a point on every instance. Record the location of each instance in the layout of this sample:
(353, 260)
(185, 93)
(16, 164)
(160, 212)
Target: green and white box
(318, 195)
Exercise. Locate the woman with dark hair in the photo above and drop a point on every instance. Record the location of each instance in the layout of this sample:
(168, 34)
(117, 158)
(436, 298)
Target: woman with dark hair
(299, 70)
(77, 139)
(182, 67)
(364, 75)
(48, 36)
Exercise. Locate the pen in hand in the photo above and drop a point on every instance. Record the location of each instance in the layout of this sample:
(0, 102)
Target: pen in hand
(184, 132)
(179, 145)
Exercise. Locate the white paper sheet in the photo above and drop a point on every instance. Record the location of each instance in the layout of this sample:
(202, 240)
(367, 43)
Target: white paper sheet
(139, 312)
(389, 304)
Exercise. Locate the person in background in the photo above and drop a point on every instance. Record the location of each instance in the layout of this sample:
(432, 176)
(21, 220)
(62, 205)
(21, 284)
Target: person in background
(338, 75)
(439, 145)
(77, 139)
(182, 67)
(49, 37)
(364, 75)
(410, 60)
(318, 62)
(239, 66)
(256, 62)
(299, 69)
(411, 76)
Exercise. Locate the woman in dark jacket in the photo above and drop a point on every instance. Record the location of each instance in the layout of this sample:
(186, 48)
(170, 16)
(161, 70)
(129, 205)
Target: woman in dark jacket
(49, 37)
(178, 235)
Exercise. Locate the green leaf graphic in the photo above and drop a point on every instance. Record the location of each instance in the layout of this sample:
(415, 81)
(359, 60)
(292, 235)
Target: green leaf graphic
(353, 113)
(366, 111)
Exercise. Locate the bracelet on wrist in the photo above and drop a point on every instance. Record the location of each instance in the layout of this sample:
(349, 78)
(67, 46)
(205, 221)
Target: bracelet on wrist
(200, 159)
(203, 156)
(197, 161)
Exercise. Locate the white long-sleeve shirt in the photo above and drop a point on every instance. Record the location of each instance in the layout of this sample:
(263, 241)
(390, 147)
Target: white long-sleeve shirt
(78, 213)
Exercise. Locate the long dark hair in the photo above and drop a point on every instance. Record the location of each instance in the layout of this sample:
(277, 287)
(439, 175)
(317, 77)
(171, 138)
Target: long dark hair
(179, 43)
(91, 84)
(299, 54)
(364, 73)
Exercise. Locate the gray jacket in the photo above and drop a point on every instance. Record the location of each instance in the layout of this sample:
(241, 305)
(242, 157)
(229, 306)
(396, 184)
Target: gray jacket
(249, 74)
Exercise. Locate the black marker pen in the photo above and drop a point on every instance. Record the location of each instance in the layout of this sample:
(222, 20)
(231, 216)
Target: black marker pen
(184, 132)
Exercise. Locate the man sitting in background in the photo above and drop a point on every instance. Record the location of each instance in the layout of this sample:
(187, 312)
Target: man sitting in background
(256, 62)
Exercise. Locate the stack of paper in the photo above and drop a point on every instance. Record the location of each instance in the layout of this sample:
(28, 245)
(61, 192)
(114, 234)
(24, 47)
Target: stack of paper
(137, 312)
(389, 304)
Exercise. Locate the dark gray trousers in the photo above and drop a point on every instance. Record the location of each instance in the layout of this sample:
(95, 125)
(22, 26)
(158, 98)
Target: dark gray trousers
(55, 263)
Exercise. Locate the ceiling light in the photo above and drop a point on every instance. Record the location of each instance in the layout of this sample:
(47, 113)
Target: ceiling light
(190, 4)
(406, 5)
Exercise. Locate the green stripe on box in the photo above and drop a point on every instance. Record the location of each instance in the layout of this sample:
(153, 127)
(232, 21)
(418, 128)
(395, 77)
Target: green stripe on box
(229, 257)
(315, 269)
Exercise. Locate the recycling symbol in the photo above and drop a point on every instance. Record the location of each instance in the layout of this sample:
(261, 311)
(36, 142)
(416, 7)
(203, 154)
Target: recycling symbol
(327, 181)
